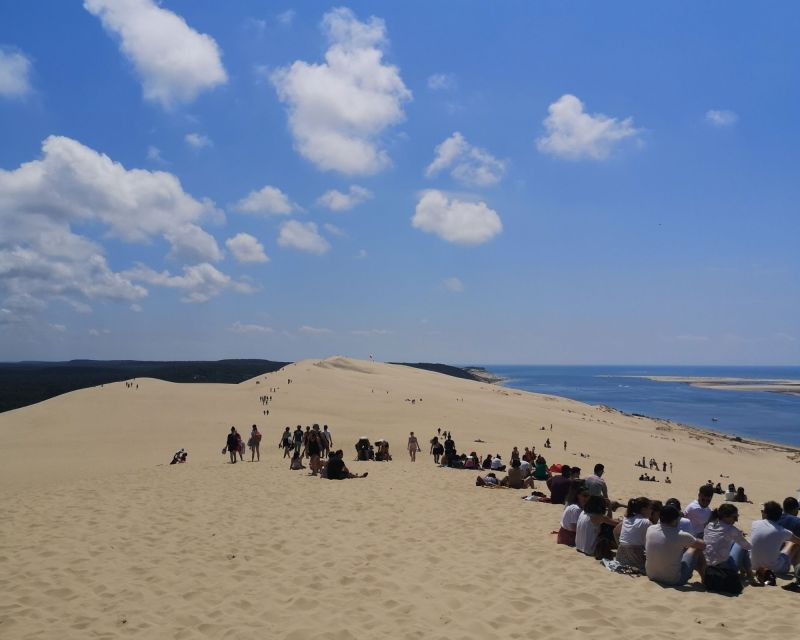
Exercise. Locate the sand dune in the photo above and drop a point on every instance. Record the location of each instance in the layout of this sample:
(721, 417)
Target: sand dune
(101, 539)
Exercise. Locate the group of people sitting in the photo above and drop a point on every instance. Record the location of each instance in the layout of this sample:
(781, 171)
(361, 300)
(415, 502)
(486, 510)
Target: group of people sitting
(379, 452)
(334, 468)
(668, 544)
(648, 478)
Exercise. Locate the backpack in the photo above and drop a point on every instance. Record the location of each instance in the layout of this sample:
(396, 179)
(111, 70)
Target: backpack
(722, 580)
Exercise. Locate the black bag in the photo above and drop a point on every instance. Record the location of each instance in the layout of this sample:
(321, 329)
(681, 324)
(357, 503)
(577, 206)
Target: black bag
(722, 580)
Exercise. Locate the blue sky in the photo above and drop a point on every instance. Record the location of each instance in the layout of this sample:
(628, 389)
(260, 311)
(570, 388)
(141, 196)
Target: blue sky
(517, 182)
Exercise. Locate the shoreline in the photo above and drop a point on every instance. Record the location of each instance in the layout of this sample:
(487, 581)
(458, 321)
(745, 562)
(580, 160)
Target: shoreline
(762, 385)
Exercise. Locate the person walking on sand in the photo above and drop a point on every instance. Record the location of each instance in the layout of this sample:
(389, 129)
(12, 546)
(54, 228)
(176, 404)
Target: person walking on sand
(327, 442)
(298, 438)
(232, 444)
(255, 444)
(286, 442)
(413, 447)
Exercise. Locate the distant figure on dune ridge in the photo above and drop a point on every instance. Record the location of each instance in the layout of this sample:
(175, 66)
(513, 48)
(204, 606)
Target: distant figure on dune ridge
(255, 444)
(232, 444)
(413, 446)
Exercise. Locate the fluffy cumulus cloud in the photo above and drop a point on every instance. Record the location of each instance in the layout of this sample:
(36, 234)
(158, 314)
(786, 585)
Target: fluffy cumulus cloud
(441, 81)
(15, 70)
(266, 201)
(573, 134)
(239, 327)
(246, 248)
(453, 284)
(198, 140)
(338, 109)
(468, 164)
(456, 221)
(45, 202)
(175, 62)
(721, 117)
(337, 201)
(302, 236)
(199, 282)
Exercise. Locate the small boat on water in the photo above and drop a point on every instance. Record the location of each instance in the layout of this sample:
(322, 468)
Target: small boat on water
(714, 419)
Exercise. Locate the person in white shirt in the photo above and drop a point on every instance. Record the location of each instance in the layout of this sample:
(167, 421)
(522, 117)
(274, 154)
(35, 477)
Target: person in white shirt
(587, 529)
(631, 533)
(684, 524)
(698, 510)
(726, 545)
(576, 500)
(775, 549)
(672, 555)
(497, 464)
(525, 467)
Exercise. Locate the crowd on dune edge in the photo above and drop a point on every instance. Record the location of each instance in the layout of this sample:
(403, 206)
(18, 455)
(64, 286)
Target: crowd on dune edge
(662, 541)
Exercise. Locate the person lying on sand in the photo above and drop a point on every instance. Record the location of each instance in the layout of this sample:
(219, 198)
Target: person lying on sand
(489, 481)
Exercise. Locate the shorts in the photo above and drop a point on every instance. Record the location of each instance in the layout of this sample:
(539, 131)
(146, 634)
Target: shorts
(782, 564)
(688, 562)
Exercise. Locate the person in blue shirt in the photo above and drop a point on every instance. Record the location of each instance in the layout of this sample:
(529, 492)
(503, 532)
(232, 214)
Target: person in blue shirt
(789, 519)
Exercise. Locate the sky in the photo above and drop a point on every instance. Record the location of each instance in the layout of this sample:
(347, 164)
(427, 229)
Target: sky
(464, 182)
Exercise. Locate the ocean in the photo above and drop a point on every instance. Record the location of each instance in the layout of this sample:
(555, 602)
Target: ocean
(762, 415)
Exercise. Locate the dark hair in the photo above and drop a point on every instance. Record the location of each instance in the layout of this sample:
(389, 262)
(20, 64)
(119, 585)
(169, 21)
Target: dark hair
(575, 470)
(772, 511)
(669, 514)
(725, 510)
(790, 504)
(706, 490)
(673, 502)
(595, 505)
(656, 506)
(635, 506)
(598, 469)
(516, 463)
(565, 470)
(576, 487)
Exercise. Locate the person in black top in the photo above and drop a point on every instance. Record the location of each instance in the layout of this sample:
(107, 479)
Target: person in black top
(337, 469)
(232, 444)
(559, 485)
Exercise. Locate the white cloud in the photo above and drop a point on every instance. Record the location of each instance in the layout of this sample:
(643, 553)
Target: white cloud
(453, 284)
(238, 327)
(136, 308)
(314, 331)
(338, 201)
(269, 200)
(573, 134)
(441, 81)
(286, 17)
(154, 154)
(334, 230)
(58, 327)
(15, 70)
(469, 165)
(338, 109)
(174, 62)
(198, 140)
(72, 185)
(721, 117)
(94, 332)
(362, 253)
(456, 221)
(246, 248)
(302, 236)
(199, 282)
(98, 332)
(371, 332)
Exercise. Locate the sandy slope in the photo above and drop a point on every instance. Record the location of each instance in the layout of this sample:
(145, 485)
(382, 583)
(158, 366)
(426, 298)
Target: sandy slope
(101, 539)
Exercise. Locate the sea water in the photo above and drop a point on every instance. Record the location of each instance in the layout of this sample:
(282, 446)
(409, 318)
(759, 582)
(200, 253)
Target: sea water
(762, 415)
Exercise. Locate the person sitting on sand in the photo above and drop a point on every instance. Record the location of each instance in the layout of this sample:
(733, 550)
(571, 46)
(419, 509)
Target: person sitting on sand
(595, 483)
(587, 530)
(489, 480)
(527, 456)
(526, 468)
(487, 461)
(559, 485)
(672, 555)
(789, 519)
(575, 473)
(775, 549)
(497, 463)
(741, 496)
(631, 533)
(337, 469)
(667, 480)
(730, 496)
(514, 479)
(698, 510)
(684, 524)
(540, 471)
(576, 499)
(296, 463)
(472, 461)
(655, 510)
(726, 547)
(718, 489)
(179, 457)
(232, 444)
